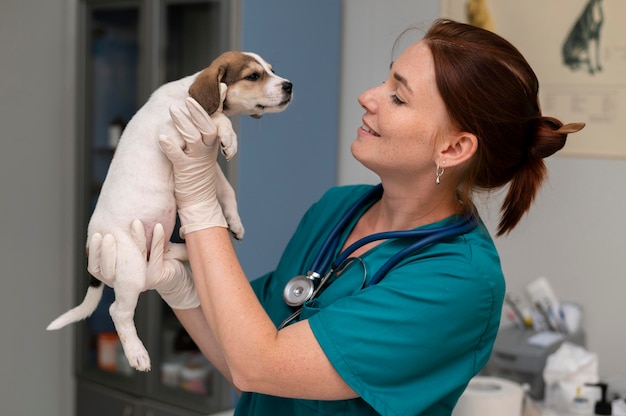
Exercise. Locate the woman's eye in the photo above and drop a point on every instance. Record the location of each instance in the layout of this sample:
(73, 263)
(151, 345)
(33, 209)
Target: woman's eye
(253, 77)
(396, 100)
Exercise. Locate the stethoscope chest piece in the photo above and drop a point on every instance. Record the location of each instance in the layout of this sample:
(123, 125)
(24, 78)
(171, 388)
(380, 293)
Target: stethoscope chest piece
(299, 289)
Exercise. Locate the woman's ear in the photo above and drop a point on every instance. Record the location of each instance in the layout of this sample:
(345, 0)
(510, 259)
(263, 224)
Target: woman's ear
(458, 148)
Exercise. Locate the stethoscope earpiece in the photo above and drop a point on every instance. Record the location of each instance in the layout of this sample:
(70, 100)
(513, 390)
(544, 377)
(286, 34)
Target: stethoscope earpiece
(299, 289)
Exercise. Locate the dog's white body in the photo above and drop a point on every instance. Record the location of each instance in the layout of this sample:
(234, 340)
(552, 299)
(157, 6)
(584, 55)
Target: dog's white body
(140, 184)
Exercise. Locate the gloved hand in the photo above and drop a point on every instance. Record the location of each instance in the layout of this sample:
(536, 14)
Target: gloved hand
(169, 276)
(194, 168)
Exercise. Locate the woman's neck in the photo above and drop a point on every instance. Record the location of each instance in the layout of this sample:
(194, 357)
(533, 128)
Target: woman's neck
(401, 211)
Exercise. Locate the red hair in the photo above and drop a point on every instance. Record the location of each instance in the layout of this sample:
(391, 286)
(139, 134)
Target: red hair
(491, 91)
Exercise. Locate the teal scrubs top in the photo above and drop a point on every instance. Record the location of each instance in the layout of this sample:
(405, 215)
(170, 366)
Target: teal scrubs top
(407, 345)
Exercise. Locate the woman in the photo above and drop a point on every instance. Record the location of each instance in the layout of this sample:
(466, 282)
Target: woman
(458, 113)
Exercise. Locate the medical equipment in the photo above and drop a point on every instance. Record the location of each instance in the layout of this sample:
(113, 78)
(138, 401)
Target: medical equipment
(303, 288)
(520, 356)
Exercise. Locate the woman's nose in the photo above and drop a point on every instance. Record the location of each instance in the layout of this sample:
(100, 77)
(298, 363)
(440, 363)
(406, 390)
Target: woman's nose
(367, 100)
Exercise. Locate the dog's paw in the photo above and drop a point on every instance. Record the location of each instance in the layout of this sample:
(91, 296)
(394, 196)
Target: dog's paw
(136, 353)
(228, 140)
(138, 358)
(235, 226)
(226, 134)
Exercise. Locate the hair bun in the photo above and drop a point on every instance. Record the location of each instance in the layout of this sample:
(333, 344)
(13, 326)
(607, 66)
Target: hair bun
(551, 135)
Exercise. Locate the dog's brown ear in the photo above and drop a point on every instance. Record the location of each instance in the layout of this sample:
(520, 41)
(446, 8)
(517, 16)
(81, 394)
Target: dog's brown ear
(206, 88)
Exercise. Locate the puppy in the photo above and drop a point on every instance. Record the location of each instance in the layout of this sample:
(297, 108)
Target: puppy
(139, 183)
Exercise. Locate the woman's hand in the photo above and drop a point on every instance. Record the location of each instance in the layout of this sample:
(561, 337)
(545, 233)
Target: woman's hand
(194, 167)
(165, 274)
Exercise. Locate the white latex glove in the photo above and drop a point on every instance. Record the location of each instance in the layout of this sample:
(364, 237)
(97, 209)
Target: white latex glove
(169, 276)
(194, 168)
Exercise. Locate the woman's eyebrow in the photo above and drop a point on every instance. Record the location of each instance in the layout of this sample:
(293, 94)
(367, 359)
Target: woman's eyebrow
(402, 81)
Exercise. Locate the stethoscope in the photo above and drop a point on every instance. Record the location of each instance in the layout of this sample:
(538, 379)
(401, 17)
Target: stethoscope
(302, 288)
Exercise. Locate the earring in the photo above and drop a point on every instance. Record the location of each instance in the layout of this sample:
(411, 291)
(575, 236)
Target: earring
(438, 172)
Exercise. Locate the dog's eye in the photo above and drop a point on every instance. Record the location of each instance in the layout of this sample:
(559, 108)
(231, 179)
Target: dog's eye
(253, 77)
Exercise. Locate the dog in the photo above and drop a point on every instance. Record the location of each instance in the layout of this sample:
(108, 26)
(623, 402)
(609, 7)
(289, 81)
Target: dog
(140, 185)
(585, 33)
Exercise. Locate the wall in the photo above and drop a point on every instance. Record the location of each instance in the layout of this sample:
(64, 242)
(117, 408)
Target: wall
(574, 235)
(36, 206)
(287, 160)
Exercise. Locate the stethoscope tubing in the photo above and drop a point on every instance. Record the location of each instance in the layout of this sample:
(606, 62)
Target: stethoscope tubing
(320, 264)
(468, 223)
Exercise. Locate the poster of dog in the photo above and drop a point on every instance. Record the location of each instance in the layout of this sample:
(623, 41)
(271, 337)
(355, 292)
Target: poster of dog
(578, 50)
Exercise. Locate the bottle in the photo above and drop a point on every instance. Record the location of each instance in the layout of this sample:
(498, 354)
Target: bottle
(602, 407)
(580, 406)
(116, 127)
(107, 351)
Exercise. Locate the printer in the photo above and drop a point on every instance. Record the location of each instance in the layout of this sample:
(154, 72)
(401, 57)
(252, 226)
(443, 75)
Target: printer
(517, 356)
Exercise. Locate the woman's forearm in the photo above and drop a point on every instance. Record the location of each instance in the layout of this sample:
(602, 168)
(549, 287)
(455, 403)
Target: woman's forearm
(259, 358)
(195, 324)
(232, 310)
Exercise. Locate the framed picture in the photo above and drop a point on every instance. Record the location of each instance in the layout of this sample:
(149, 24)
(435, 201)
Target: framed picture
(578, 51)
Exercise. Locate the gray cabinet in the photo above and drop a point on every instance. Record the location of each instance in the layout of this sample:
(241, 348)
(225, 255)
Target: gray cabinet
(97, 400)
(128, 48)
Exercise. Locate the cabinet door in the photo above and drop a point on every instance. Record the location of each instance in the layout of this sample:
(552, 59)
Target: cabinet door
(96, 400)
(128, 49)
(159, 409)
(110, 62)
(191, 34)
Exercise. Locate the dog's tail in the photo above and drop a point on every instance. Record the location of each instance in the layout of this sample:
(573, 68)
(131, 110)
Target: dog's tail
(82, 311)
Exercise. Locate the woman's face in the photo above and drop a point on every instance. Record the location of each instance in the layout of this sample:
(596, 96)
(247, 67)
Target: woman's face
(403, 118)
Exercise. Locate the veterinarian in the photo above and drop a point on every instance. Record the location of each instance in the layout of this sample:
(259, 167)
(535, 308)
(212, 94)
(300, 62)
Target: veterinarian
(458, 113)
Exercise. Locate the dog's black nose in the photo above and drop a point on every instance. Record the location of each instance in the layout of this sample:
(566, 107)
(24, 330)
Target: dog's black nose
(287, 87)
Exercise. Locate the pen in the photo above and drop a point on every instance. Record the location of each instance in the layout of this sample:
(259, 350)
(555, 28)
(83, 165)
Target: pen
(516, 311)
(511, 315)
(544, 314)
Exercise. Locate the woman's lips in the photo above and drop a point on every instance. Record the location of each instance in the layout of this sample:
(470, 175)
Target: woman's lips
(368, 130)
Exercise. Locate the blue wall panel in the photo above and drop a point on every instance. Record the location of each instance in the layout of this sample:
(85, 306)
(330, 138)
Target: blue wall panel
(287, 160)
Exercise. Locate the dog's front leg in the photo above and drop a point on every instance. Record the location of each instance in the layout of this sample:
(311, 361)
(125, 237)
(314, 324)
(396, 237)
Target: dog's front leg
(226, 134)
(228, 201)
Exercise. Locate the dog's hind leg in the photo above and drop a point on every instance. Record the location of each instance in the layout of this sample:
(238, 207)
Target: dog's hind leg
(129, 283)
